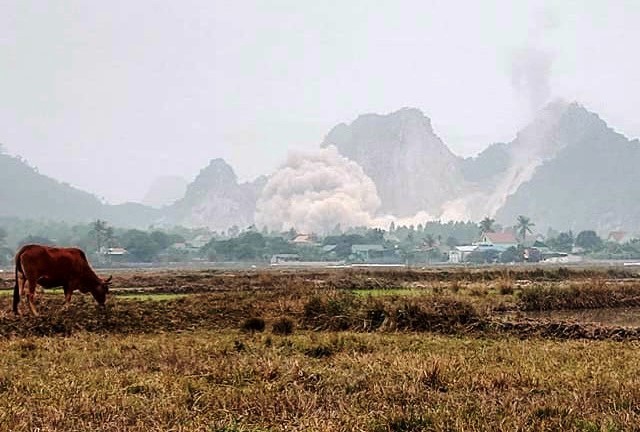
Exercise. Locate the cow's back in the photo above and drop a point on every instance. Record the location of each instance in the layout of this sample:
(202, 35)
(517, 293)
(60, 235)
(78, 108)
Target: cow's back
(57, 264)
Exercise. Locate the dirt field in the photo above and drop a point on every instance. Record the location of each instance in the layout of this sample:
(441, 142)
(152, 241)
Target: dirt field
(385, 350)
(479, 302)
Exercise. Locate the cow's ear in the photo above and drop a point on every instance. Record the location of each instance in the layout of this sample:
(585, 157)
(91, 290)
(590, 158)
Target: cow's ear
(108, 279)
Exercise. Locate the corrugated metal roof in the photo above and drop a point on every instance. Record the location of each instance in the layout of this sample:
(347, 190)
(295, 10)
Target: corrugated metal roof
(366, 247)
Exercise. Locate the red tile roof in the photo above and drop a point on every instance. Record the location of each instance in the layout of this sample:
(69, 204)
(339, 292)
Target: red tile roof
(501, 237)
(617, 235)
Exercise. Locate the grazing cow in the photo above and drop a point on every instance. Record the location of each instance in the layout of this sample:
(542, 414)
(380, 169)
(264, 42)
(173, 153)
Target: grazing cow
(53, 267)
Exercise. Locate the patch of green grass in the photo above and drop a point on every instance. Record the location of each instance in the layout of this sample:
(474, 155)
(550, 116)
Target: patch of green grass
(151, 296)
(9, 292)
(389, 292)
(53, 291)
(132, 296)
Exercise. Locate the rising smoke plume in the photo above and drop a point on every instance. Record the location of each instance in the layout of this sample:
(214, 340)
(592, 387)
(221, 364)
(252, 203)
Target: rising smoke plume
(531, 76)
(313, 192)
(531, 64)
(531, 68)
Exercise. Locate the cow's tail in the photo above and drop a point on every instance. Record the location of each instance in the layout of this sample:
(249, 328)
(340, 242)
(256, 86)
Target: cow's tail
(16, 288)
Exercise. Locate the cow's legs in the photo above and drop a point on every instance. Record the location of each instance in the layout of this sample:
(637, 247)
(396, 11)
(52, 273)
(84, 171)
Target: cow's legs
(67, 297)
(22, 283)
(31, 295)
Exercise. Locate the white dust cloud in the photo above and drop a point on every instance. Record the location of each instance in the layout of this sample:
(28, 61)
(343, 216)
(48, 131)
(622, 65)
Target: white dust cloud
(314, 192)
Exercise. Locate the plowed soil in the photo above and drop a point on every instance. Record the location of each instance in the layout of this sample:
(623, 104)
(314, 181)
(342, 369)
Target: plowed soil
(226, 299)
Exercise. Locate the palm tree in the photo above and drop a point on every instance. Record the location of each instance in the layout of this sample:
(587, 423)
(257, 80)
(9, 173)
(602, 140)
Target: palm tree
(98, 229)
(524, 226)
(429, 241)
(486, 225)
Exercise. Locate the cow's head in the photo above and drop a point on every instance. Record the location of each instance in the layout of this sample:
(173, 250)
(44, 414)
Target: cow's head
(101, 290)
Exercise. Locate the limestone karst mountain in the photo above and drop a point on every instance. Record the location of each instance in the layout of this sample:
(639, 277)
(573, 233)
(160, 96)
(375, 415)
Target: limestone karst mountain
(500, 170)
(591, 181)
(567, 170)
(411, 167)
(216, 200)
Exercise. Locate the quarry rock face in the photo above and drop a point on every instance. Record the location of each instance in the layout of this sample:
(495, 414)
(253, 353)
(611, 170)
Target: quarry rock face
(567, 169)
(590, 182)
(412, 168)
(500, 170)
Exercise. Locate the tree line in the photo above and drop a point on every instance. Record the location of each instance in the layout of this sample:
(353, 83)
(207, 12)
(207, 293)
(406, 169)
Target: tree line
(428, 242)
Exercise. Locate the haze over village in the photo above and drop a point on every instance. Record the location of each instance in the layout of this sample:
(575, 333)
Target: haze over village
(438, 131)
(353, 215)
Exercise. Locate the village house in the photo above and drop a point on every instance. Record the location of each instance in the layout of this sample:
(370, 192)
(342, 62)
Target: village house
(303, 239)
(115, 251)
(279, 259)
(621, 237)
(500, 240)
(367, 252)
(114, 254)
(496, 241)
(459, 254)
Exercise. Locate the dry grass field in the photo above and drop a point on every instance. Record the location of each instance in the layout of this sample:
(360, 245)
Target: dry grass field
(334, 350)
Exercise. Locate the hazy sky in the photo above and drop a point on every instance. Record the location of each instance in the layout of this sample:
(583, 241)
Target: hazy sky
(108, 95)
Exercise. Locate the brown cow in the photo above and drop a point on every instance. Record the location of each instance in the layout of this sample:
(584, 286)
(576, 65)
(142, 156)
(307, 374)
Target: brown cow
(52, 267)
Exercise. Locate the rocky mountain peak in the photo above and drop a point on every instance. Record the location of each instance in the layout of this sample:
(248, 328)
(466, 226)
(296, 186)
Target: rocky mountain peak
(217, 171)
(218, 174)
(589, 182)
(581, 127)
(410, 165)
(216, 200)
(558, 125)
(403, 127)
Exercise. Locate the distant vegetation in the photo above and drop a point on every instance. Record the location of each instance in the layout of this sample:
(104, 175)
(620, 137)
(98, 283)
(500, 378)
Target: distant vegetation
(414, 245)
(5, 252)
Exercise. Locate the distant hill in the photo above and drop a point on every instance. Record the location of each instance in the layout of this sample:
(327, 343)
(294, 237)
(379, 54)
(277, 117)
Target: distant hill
(567, 169)
(215, 199)
(590, 182)
(26, 193)
(412, 168)
(165, 191)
